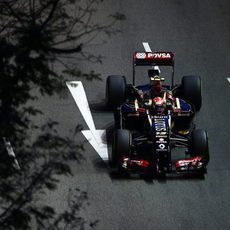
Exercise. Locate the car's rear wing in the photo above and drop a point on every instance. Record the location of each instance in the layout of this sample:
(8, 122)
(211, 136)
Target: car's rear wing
(153, 59)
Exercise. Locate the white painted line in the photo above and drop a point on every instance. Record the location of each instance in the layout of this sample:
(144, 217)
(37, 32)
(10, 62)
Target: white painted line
(77, 90)
(95, 139)
(146, 47)
(228, 79)
(92, 135)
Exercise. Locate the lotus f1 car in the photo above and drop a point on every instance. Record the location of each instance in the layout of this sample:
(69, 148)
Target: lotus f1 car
(153, 119)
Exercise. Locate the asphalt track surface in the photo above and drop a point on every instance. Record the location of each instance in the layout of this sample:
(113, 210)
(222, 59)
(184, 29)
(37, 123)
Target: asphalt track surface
(198, 32)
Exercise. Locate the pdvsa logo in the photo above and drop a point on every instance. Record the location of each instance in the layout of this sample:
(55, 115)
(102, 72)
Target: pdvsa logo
(160, 55)
(153, 56)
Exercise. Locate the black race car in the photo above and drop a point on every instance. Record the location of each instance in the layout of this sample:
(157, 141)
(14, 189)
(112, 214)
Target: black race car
(154, 118)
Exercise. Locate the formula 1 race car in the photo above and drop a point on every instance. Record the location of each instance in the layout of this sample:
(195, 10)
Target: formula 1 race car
(154, 118)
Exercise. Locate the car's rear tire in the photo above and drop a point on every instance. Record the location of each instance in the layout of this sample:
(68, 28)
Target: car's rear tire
(120, 146)
(191, 88)
(115, 90)
(199, 144)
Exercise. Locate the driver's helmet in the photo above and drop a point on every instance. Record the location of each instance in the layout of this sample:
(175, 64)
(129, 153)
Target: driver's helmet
(159, 105)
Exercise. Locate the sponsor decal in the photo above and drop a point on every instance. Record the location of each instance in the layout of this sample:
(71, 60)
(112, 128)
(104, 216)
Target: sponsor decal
(161, 128)
(160, 125)
(161, 134)
(159, 55)
(163, 55)
(142, 163)
(159, 142)
(193, 161)
(162, 150)
(128, 162)
(140, 55)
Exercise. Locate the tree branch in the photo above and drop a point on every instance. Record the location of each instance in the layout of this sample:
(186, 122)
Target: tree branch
(50, 16)
(12, 12)
(22, 199)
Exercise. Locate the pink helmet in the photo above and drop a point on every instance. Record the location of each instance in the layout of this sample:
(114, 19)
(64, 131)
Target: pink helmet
(159, 105)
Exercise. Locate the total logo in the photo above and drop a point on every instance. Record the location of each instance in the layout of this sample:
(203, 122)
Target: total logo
(161, 140)
(153, 56)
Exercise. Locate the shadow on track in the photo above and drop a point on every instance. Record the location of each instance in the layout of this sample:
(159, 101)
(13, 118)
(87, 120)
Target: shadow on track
(98, 107)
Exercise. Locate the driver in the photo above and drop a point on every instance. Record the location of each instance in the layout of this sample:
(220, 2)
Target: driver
(157, 91)
(156, 106)
(157, 99)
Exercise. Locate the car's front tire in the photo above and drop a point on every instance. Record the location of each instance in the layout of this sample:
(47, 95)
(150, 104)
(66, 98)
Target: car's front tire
(199, 147)
(191, 90)
(199, 144)
(121, 146)
(115, 90)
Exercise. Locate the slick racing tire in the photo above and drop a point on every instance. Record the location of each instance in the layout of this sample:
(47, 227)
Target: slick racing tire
(199, 144)
(191, 90)
(115, 90)
(120, 146)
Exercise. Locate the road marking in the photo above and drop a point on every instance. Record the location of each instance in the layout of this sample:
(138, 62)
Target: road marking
(228, 80)
(95, 137)
(147, 47)
(77, 90)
